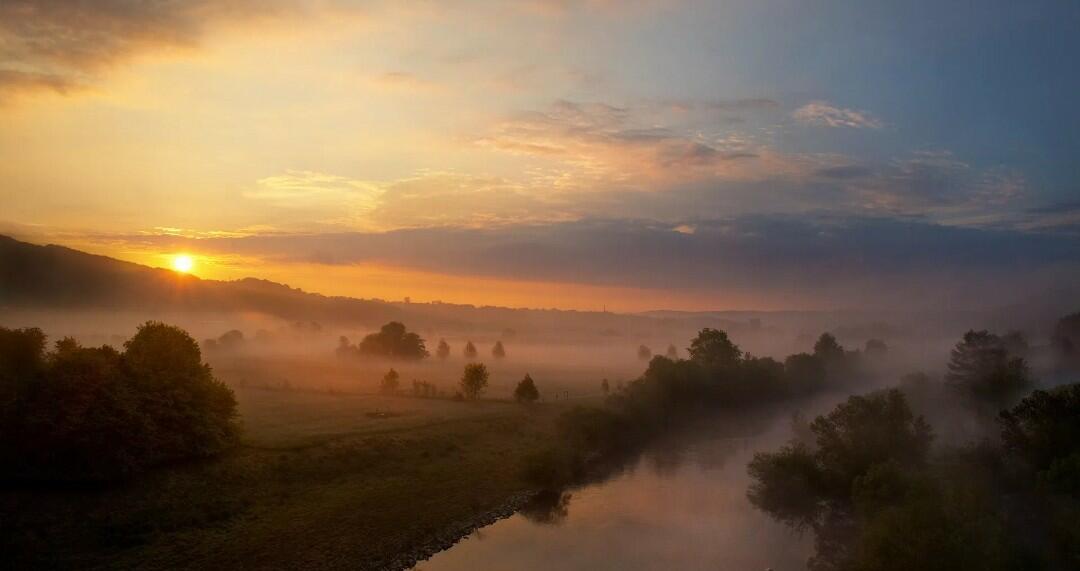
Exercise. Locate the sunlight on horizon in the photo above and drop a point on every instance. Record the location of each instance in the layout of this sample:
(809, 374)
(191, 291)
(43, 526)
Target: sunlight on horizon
(183, 263)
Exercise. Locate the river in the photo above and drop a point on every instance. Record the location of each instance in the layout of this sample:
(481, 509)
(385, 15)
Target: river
(681, 505)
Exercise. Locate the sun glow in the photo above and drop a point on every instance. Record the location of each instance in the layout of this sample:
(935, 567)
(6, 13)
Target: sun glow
(183, 263)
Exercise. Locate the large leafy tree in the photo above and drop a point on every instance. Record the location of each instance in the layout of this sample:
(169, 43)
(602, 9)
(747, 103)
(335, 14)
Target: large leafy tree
(982, 368)
(395, 341)
(713, 348)
(86, 412)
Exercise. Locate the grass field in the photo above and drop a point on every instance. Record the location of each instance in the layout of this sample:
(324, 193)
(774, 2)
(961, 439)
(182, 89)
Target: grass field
(321, 481)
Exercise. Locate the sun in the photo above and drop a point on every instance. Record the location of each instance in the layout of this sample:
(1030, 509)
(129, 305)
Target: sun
(183, 263)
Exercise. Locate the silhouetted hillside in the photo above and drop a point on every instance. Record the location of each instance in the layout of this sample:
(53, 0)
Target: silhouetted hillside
(55, 277)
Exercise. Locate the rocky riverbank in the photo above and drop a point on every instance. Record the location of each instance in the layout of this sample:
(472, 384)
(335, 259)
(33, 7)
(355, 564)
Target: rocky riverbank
(458, 531)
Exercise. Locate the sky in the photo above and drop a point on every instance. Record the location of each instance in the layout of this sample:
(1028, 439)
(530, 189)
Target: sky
(620, 155)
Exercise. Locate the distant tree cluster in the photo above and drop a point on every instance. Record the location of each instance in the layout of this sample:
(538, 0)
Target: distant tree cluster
(231, 340)
(717, 375)
(876, 498)
(424, 389)
(79, 413)
(392, 341)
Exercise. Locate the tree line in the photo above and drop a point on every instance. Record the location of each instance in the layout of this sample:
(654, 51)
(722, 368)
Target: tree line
(96, 413)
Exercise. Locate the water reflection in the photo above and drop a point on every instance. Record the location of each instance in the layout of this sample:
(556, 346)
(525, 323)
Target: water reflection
(681, 504)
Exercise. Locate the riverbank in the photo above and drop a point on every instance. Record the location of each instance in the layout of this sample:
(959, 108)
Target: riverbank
(320, 483)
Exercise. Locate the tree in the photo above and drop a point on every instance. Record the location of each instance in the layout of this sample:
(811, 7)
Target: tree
(474, 380)
(443, 351)
(389, 383)
(197, 411)
(644, 353)
(713, 348)
(605, 387)
(1066, 342)
(854, 446)
(981, 368)
(526, 391)
(876, 348)
(344, 348)
(231, 340)
(498, 351)
(470, 350)
(82, 413)
(828, 349)
(394, 341)
(1044, 427)
(805, 373)
(672, 353)
(22, 362)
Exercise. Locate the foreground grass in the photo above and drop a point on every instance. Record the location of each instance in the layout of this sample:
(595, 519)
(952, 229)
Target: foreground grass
(322, 481)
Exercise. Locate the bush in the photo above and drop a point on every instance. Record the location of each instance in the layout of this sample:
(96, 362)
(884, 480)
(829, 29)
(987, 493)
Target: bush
(96, 413)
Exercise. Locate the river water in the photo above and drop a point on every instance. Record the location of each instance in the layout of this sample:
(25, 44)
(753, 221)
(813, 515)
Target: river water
(680, 506)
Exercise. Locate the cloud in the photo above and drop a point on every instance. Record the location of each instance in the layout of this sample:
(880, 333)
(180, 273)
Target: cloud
(648, 145)
(13, 82)
(924, 182)
(823, 114)
(68, 40)
(402, 81)
(317, 197)
(822, 260)
(427, 198)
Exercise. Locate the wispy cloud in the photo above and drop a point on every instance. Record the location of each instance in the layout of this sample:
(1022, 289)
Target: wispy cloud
(824, 114)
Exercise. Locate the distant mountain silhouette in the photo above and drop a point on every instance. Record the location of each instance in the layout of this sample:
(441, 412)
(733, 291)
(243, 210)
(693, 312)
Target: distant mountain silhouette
(55, 277)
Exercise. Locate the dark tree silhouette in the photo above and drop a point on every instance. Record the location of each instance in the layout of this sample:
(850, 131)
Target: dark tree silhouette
(474, 380)
(798, 483)
(828, 349)
(394, 341)
(443, 351)
(498, 351)
(231, 339)
(470, 350)
(805, 373)
(526, 391)
(712, 348)
(644, 353)
(94, 413)
(981, 368)
(875, 348)
(1066, 341)
(390, 382)
(344, 348)
(1044, 430)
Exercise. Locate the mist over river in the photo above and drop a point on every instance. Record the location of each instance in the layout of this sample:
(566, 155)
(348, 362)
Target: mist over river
(680, 505)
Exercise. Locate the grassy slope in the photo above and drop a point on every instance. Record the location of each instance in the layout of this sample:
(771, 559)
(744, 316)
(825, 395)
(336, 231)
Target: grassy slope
(318, 484)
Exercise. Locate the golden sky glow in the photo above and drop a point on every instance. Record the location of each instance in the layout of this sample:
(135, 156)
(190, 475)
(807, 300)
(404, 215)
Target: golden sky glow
(671, 133)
